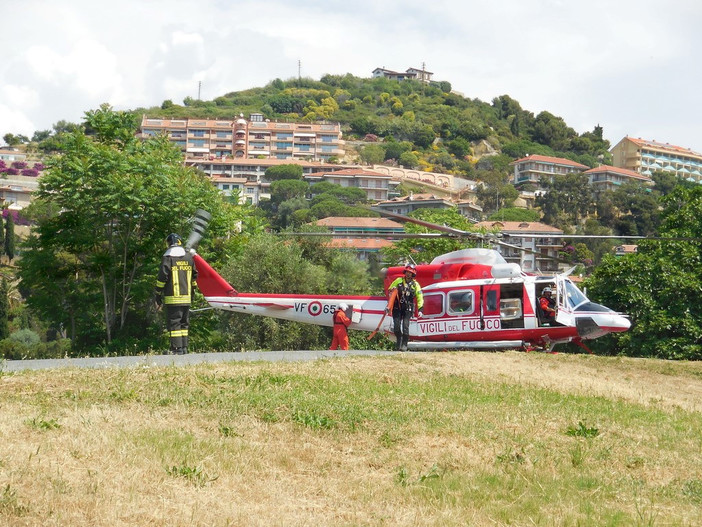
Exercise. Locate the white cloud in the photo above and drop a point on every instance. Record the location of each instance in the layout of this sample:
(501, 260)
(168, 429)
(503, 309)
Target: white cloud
(629, 65)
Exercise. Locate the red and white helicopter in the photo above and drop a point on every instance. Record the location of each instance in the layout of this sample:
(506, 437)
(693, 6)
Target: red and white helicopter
(473, 299)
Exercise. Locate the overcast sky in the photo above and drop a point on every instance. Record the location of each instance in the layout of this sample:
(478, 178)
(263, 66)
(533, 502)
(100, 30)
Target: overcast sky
(632, 66)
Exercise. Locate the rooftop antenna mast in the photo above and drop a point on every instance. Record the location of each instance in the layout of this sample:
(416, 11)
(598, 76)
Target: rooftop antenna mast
(199, 87)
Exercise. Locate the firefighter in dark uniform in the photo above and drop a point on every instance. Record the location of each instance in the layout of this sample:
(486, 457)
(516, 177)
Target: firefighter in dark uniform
(174, 288)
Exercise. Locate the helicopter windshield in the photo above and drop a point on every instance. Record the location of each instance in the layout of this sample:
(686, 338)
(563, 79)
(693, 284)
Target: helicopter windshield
(574, 295)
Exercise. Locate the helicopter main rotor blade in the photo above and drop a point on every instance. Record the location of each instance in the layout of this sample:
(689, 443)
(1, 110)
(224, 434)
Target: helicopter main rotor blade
(608, 237)
(385, 235)
(458, 233)
(435, 226)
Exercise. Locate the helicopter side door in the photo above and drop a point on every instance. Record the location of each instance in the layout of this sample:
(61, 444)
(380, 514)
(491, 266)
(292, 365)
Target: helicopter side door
(564, 313)
(490, 307)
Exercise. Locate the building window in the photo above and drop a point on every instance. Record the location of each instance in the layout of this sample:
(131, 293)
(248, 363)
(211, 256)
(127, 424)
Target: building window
(198, 133)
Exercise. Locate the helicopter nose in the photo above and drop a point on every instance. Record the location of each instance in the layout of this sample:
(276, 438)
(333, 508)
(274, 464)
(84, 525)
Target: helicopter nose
(600, 320)
(619, 323)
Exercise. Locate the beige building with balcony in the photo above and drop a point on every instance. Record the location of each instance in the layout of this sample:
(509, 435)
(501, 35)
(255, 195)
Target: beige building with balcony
(255, 138)
(374, 184)
(646, 157)
(606, 177)
(247, 176)
(530, 169)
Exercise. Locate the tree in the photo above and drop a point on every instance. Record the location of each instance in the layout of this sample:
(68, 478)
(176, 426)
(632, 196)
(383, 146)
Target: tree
(394, 149)
(41, 135)
(288, 171)
(285, 189)
(496, 191)
(460, 147)
(4, 310)
(659, 287)
(408, 160)
(568, 200)
(102, 211)
(11, 139)
(372, 154)
(2, 232)
(9, 241)
(515, 214)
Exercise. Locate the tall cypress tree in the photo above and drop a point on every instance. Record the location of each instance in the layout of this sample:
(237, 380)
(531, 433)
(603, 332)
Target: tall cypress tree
(2, 235)
(4, 310)
(10, 237)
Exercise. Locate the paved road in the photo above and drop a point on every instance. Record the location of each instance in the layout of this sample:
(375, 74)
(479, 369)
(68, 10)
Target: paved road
(180, 360)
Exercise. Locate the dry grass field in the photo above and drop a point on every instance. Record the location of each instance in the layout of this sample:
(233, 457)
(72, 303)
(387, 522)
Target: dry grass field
(430, 439)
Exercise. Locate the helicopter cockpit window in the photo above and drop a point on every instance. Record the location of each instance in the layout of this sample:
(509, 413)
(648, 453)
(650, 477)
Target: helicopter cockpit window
(461, 302)
(433, 304)
(574, 295)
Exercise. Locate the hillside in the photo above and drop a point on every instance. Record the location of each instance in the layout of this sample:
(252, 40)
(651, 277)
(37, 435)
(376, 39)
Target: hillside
(432, 127)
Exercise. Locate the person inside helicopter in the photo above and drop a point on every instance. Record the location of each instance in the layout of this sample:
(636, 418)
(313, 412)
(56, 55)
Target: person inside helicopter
(547, 307)
(461, 302)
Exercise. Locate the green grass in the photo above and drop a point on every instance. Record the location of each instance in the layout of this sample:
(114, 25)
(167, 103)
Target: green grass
(445, 446)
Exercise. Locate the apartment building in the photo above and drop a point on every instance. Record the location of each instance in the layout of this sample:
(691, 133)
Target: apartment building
(542, 241)
(646, 157)
(530, 169)
(247, 176)
(374, 184)
(607, 177)
(256, 138)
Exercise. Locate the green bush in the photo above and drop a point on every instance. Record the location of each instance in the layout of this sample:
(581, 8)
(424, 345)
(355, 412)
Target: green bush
(26, 336)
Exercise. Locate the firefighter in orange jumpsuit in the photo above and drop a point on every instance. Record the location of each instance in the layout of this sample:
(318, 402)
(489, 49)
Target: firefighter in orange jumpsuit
(340, 339)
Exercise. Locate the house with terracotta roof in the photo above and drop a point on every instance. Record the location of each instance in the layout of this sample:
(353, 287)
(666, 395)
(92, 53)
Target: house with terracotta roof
(345, 225)
(374, 184)
(531, 169)
(541, 241)
(646, 157)
(607, 177)
(624, 249)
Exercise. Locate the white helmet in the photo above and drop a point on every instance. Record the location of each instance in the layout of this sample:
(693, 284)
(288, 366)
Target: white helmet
(547, 290)
(343, 306)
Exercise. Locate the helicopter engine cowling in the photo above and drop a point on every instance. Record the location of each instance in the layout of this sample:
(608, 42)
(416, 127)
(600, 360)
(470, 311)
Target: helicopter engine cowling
(508, 270)
(428, 274)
